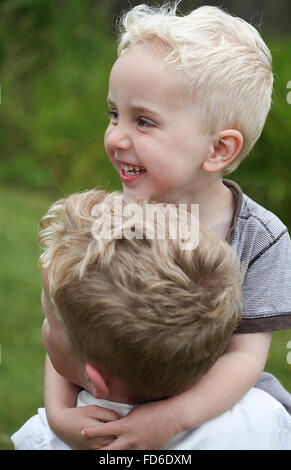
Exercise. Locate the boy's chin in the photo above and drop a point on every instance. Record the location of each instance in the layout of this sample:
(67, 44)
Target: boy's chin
(131, 192)
(139, 193)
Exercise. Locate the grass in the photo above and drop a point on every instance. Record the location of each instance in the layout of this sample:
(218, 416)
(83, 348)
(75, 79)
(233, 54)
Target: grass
(22, 353)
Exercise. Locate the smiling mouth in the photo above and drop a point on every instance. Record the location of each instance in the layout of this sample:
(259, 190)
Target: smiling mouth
(130, 170)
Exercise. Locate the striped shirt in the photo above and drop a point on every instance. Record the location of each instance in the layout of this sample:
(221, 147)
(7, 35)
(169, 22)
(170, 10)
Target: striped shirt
(263, 246)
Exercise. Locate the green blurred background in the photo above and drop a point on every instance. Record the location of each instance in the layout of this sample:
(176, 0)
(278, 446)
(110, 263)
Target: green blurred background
(55, 58)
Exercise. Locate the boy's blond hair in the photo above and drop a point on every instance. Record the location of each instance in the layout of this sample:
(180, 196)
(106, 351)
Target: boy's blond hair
(226, 63)
(151, 314)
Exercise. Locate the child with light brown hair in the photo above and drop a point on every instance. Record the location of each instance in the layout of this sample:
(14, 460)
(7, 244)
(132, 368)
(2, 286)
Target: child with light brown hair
(188, 98)
(132, 319)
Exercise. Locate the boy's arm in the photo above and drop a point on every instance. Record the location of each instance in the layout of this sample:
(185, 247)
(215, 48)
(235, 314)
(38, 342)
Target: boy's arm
(231, 377)
(58, 392)
(153, 425)
(64, 418)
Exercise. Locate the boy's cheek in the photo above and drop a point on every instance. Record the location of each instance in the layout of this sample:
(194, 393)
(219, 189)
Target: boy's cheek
(50, 345)
(107, 139)
(109, 151)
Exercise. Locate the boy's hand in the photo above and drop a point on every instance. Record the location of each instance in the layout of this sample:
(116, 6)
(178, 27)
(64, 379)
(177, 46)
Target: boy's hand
(71, 421)
(148, 427)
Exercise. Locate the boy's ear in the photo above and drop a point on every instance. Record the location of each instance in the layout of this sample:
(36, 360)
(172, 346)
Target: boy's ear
(96, 381)
(228, 145)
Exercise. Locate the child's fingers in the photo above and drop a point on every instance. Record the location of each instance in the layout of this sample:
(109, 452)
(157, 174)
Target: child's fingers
(111, 432)
(105, 444)
(98, 443)
(101, 430)
(94, 432)
(117, 444)
(102, 414)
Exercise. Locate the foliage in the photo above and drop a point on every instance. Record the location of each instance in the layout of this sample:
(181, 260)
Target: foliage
(22, 353)
(55, 68)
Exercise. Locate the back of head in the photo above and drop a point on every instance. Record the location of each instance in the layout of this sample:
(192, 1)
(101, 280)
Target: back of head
(227, 65)
(151, 314)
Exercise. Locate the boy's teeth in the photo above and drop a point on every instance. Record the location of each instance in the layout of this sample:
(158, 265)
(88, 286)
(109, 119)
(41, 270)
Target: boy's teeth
(130, 170)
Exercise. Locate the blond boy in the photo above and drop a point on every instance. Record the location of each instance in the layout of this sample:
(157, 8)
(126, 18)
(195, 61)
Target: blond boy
(136, 319)
(188, 98)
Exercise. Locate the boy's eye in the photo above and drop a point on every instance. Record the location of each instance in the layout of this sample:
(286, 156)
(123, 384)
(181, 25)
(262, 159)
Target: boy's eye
(143, 122)
(113, 115)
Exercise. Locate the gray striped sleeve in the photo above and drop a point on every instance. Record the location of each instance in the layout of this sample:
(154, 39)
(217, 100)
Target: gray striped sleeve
(263, 245)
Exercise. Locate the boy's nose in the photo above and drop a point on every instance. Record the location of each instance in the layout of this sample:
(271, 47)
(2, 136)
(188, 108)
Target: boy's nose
(118, 138)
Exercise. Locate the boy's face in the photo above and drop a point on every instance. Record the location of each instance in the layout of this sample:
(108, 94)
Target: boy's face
(56, 344)
(154, 127)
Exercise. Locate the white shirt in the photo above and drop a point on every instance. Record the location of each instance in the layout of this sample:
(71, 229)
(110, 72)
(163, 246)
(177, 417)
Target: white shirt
(257, 422)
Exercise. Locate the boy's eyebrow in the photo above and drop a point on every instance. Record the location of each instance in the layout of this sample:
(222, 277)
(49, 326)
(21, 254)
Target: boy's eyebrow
(136, 108)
